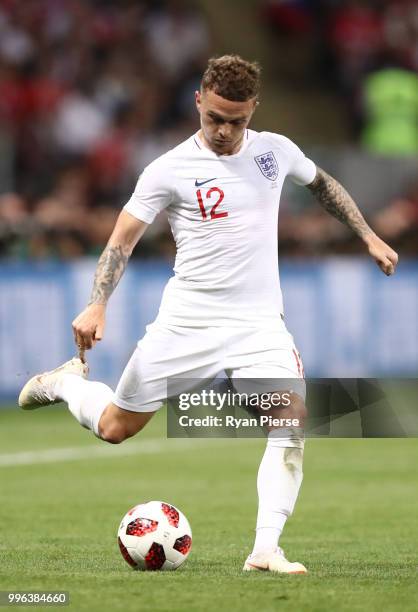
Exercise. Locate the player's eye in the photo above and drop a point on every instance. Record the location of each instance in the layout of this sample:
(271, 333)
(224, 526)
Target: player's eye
(217, 120)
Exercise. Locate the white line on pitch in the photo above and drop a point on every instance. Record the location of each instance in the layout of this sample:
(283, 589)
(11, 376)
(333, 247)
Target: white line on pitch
(75, 453)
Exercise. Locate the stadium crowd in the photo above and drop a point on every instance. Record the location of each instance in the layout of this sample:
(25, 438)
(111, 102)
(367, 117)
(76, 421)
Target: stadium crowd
(367, 51)
(92, 91)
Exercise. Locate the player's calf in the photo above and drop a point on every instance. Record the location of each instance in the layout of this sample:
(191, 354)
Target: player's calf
(278, 483)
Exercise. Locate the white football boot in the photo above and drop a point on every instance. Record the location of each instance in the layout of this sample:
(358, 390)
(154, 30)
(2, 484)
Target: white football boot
(40, 389)
(273, 561)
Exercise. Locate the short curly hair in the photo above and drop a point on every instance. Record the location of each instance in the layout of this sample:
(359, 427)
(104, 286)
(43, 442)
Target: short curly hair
(232, 77)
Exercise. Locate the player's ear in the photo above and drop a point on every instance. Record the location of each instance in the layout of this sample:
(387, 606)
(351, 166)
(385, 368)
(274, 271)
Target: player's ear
(198, 99)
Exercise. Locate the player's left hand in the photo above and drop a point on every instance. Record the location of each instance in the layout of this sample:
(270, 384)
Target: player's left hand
(385, 257)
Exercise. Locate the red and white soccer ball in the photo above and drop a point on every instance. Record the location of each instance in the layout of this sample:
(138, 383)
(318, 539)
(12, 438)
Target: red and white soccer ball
(155, 536)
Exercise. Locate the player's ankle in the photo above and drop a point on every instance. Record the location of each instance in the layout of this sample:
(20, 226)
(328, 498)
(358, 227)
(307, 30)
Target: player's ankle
(63, 385)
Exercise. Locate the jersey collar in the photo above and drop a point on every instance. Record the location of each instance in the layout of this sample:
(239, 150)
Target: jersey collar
(200, 144)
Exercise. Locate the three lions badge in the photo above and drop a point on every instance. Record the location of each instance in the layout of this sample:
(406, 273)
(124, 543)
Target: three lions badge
(268, 165)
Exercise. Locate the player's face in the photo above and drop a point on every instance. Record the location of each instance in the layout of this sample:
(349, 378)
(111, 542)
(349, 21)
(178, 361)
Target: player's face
(223, 122)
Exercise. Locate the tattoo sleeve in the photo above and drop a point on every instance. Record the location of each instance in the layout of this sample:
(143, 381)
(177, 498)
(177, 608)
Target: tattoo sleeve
(334, 198)
(111, 266)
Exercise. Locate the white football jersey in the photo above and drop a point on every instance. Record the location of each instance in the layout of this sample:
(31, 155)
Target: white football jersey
(223, 212)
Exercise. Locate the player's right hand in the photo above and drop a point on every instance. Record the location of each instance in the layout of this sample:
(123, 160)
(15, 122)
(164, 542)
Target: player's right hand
(88, 327)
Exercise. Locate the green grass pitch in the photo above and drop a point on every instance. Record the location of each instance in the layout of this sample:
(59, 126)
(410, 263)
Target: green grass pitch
(355, 525)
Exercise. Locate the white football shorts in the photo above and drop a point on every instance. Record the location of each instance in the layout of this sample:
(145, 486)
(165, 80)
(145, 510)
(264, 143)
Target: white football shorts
(190, 353)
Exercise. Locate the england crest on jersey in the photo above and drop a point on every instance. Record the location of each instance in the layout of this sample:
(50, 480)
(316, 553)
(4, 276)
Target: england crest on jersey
(268, 165)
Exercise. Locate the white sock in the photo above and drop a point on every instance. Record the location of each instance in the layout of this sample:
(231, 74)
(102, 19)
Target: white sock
(86, 399)
(278, 483)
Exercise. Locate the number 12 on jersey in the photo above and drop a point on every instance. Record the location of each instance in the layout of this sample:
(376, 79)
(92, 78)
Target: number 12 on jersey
(212, 213)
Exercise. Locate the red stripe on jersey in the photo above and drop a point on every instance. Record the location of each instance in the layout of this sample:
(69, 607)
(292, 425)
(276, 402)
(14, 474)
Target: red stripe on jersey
(299, 364)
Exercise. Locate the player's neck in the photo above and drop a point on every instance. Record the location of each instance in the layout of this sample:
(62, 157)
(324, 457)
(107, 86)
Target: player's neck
(206, 144)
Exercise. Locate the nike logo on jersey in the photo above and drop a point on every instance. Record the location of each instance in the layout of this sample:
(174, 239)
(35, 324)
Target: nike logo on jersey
(200, 183)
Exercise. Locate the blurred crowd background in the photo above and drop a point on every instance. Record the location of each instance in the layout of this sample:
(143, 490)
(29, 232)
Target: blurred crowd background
(91, 91)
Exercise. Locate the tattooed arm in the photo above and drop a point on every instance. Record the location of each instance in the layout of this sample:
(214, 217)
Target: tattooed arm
(111, 266)
(89, 325)
(336, 200)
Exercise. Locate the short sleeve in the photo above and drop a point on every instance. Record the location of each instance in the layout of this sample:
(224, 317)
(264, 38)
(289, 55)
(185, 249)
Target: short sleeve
(302, 170)
(152, 193)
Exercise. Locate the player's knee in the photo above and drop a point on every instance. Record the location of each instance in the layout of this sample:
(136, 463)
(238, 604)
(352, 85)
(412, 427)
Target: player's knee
(114, 433)
(296, 410)
(299, 411)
